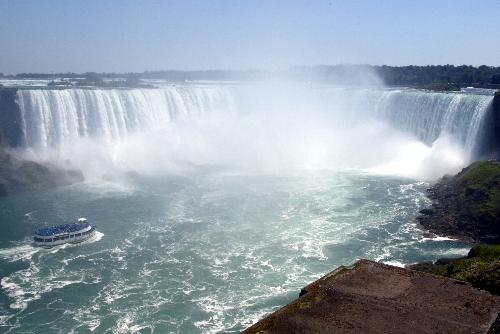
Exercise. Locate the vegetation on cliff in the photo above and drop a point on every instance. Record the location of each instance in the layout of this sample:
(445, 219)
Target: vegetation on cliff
(463, 76)
(441, 87)
(481, 268)
(467, 205)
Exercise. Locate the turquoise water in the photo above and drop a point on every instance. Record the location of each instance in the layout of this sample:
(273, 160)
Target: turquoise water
(199, 253)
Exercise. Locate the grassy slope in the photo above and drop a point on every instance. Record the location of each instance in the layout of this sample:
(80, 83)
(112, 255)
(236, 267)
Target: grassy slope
(481, 268)
(471, 198)
(479, 188)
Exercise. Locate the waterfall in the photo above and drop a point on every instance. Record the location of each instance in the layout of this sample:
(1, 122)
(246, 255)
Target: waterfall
(426, 115)
(53, 118)
(429, 115)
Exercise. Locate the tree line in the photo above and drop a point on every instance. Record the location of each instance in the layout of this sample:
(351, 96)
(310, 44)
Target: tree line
(450, 76)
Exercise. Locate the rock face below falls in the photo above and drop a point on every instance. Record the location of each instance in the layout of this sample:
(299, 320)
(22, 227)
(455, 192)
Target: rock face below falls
(19, 176)
(371, 297)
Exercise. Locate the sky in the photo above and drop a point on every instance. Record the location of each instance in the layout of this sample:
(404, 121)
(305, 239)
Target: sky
(135, 36)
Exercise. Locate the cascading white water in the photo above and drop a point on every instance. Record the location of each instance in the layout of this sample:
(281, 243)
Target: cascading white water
(316, 125)
(53, 117)
(429, 115)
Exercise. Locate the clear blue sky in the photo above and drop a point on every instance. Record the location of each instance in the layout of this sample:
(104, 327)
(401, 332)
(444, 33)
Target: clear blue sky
(122, 35)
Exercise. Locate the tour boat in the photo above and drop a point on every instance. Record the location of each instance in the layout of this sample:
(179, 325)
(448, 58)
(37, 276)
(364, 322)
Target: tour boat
(66, 233)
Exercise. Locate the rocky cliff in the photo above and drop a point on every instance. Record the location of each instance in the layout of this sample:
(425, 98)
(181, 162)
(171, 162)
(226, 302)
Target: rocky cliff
(10, 118)
(467, 205)
(496, 124)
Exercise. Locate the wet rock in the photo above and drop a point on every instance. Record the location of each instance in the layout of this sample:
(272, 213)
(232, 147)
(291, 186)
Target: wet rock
(427, 211)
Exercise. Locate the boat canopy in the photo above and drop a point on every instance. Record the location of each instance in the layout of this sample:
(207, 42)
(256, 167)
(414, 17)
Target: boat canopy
(59, 229)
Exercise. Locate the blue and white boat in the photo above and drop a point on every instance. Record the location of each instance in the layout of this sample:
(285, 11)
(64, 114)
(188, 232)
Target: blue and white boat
(62, 234)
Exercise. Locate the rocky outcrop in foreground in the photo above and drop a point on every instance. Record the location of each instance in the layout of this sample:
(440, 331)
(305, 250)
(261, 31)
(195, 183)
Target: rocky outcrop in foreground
(467, 205)
(18, 176)
(371, 297)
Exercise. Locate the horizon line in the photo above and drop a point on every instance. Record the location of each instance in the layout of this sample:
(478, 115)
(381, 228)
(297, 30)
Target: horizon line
(250, 69)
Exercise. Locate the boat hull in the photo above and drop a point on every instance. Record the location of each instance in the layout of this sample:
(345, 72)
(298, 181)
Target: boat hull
(72, 238)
